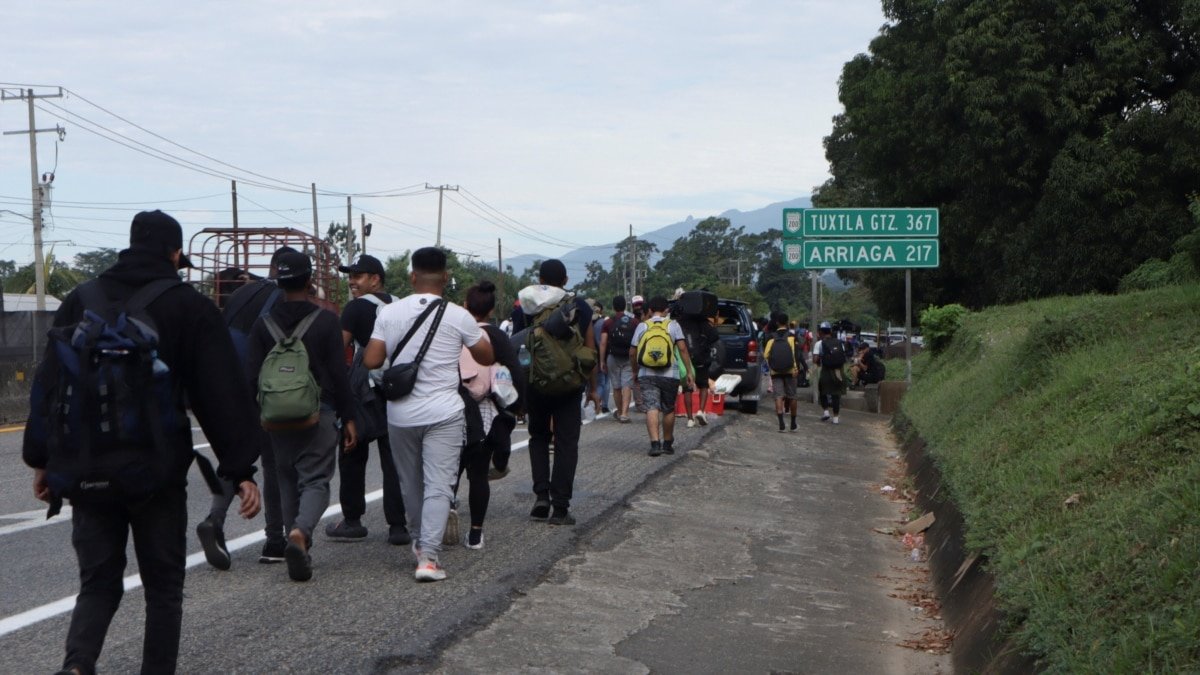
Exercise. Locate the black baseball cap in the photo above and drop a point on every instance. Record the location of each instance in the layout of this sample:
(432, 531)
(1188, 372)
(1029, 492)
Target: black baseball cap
(365, 264)
(158, 233)
(293, 265)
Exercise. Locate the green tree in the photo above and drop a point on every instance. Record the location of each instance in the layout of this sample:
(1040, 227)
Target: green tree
(60, 278)
(1059, 141)
(397, 280)
(90, 264)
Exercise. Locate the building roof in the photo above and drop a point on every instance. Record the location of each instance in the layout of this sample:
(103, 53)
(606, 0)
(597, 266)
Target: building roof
(27, 302)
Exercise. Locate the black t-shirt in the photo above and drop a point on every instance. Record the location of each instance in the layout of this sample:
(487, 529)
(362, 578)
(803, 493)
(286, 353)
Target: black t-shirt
(358, 317)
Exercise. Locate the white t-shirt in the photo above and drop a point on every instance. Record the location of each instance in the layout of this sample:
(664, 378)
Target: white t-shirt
(435, 397)
(676, 334)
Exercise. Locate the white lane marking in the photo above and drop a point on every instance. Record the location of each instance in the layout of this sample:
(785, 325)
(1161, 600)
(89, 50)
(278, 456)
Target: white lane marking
(27, 618)
(35, 519)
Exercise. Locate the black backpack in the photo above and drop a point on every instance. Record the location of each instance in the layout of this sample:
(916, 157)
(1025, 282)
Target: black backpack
(620, 336)
(781, 355)
(370, 406)
(833, 355)
(103, 404)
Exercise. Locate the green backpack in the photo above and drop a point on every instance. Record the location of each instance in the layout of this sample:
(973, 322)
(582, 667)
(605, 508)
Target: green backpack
(560, 361)
(288, 396)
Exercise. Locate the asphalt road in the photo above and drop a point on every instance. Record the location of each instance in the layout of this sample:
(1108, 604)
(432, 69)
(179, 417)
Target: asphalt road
(361, 612)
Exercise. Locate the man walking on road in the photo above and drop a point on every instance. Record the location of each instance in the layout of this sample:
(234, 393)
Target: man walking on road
(555, 415)
(830, 355)
(426, 426)
(358, 322)
(616, 337)
(656, 343)
(193, 344)
(305, 448)
(242, 309)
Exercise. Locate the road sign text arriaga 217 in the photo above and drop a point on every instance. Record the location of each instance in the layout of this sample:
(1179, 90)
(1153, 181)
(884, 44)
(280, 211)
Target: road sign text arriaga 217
(881, 222)
(828, 254)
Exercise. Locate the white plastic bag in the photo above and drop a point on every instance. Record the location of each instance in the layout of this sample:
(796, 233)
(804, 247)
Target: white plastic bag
(502, 385)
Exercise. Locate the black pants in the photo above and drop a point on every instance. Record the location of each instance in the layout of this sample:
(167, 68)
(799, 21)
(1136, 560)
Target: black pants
(476, 460)
(99, 534)
(352, 471)
(556, 484)
(270, 493)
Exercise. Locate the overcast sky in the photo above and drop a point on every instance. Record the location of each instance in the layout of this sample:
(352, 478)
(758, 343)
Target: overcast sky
(568, 119)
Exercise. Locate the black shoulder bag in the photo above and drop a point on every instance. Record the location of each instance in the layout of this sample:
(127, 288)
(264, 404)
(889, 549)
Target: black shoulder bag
(398, 381)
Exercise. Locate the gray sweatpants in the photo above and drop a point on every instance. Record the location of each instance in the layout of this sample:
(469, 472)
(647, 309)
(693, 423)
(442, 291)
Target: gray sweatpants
(427, 460)
(304, 462)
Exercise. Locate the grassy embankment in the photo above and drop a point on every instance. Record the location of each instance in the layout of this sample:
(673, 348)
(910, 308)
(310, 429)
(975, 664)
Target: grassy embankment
(1067, 431)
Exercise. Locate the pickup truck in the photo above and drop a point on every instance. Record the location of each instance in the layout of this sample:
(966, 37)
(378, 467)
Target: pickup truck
(739, 351)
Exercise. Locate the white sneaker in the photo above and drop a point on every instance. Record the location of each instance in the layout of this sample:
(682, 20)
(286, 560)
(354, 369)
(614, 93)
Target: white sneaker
(825, 416)
(450, 536)
(691, 423)
(428, 569)
(835, 420)
(701, 419)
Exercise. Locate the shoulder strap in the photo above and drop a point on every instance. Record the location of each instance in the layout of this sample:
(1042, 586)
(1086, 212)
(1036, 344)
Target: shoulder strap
(373, 299)
(231, 311)
(305, 323)
(437, 321)
(274, 329)
(416, 324)
(149, 293)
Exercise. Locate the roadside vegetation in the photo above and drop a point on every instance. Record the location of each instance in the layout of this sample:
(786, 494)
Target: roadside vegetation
(1067, 431)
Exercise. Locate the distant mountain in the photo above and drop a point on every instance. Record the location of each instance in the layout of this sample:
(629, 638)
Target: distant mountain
(754, 222)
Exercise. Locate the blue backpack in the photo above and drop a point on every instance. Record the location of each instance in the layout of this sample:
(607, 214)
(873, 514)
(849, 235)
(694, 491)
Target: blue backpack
(103, 403)
(239, 332)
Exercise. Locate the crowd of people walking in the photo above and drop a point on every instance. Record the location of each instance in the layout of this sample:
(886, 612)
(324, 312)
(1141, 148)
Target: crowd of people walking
(439, 389)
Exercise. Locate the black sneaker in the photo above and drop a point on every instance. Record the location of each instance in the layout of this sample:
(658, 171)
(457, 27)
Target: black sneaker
(398, 535)
(794, 425)
(212, 540)
(668, 447)
(655, 448)
(299, 562)
(541, 510)
(561, 517)
(497, 474)
(272, 552)
(346, 530)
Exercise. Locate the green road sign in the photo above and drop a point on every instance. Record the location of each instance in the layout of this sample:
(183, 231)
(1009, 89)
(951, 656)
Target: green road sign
(828, 254)
(806, 223)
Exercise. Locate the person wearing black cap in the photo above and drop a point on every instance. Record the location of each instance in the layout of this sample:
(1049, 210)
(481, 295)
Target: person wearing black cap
(251, 300)
(358, 322)
(305, 453)
(560, 418)
(193, 344)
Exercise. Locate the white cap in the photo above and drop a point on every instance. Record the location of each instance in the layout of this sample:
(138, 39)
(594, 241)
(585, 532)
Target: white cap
(637, 300)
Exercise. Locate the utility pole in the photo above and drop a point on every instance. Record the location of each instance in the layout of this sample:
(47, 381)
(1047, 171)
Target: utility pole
(349, 221)
(499, 269)
(634, 261)
(441, 191)
(737, 281)
(39, 263)
(236, 241)
(364, 231)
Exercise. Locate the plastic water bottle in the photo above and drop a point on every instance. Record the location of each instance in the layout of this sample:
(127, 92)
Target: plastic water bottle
(523, 357)
(589, 412)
